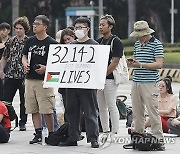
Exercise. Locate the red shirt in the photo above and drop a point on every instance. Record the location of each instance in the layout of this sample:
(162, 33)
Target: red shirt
(6, 121)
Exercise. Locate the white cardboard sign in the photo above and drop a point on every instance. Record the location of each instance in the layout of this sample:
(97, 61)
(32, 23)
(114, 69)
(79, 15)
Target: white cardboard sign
(77, 66)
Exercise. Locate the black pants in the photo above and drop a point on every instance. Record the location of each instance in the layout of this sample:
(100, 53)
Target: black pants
(4, 135)
(1, 89)
(62, 91)
(85, 100)
(9, 91)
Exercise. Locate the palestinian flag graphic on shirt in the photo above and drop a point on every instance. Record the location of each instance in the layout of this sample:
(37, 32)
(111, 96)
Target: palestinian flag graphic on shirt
(52, 77)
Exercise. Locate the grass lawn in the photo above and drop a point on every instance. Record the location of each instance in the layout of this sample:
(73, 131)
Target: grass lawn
(173, 57)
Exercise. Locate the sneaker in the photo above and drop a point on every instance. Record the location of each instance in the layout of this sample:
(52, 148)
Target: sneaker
(37, 139)
(113, 136)
(94, 144)
(22, 127)
(128, 146)
(104, 137)
(81, 137)
(130, 130)
(161, 147)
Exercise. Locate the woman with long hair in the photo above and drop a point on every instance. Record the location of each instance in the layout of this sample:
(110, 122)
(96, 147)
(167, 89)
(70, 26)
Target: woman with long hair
(167, 103)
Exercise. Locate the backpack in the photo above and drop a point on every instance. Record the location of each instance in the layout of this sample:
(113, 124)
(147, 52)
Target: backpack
(129, 116)
(121, 106)
(143, 142)
(58, 136)
(12, 113)
(120, 73)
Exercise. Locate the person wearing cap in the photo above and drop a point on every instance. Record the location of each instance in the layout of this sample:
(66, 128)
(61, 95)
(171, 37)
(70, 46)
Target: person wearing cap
(148, 58)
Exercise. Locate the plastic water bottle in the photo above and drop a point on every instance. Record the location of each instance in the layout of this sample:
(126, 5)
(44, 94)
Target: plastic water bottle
(44, 135)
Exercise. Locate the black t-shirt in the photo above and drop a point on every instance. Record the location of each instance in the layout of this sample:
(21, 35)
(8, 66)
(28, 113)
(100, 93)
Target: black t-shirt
(38, 49)
(89, 41)
(117, 49)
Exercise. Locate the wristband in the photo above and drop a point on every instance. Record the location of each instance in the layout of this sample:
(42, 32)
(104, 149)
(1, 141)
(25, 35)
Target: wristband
(141, 65)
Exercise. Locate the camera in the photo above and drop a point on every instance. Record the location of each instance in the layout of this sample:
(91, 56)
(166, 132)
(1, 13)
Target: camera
(36, 66)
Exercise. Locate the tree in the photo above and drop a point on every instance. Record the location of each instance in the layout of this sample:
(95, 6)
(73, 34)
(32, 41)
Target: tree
(131, 15)
(15, 11)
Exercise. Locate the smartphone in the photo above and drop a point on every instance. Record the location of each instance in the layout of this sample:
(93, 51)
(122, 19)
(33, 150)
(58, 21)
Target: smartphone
(130, 59)
(36, 66)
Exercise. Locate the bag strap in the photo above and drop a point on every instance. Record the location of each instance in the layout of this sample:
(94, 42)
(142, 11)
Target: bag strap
(112, 41)
(16, 123)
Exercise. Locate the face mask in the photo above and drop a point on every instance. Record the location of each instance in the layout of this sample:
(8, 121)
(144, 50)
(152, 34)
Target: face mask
(79, 34)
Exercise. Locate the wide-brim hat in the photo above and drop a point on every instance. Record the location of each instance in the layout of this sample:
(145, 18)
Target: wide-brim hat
(141, 28)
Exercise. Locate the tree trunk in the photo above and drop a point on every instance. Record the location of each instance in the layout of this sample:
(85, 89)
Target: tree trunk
(131, 15)
(15, 11)
(156, 21)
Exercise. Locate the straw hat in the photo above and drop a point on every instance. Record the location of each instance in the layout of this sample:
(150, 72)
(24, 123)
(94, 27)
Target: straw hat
(141, 28)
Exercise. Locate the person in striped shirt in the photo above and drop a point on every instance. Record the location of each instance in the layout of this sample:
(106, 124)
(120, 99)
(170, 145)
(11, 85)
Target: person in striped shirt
(148, 58)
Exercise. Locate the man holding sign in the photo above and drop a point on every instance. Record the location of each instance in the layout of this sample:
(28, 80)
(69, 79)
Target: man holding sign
(80, 98)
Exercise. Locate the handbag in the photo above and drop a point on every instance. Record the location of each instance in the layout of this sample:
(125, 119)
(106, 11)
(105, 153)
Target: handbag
(120, 73)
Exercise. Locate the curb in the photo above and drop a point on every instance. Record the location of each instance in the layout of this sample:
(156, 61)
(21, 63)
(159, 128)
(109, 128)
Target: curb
(174, 73)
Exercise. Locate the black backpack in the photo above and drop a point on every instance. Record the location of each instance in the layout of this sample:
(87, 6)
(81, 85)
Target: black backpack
(129, 116)
(121, 106)
(144, 142)
(12, 113)
(58, 136)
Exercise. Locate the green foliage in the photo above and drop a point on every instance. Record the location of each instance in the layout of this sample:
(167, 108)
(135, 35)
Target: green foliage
(55, 9)
(171, 55)
(129, 50)
(127, 42)
(173, 58)
(171, 49)
(172, 45)
(5, 11)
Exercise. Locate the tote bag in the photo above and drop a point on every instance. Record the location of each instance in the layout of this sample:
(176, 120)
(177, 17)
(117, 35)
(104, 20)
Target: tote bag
(120, 73)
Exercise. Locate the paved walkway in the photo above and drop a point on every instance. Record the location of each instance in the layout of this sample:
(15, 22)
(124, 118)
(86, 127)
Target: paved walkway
(19, 142)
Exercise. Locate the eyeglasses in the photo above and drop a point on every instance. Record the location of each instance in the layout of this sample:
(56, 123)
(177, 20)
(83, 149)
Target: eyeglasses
(37, 24)
(79, 28)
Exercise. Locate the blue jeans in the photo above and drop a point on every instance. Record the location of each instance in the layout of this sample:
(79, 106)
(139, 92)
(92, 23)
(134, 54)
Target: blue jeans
(56, 125)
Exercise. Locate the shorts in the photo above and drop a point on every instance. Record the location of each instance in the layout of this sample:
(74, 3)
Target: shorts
(38, 99)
